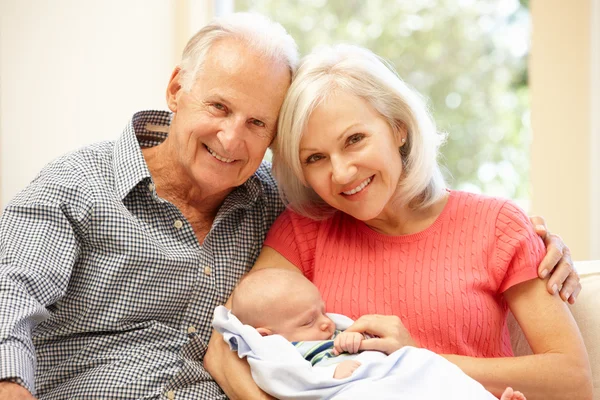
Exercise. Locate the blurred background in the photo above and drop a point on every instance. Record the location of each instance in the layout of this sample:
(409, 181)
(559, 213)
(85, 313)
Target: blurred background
(514, 83)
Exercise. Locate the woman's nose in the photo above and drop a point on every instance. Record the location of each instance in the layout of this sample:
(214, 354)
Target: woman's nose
(342, 172)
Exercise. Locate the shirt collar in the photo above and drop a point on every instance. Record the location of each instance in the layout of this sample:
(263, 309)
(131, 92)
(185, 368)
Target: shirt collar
(148, 129)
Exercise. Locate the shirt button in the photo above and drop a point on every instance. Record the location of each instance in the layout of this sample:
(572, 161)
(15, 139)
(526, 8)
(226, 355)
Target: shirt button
(170, 395)
(207, 271)
(151, 187)
(191, 329)
(178, 224)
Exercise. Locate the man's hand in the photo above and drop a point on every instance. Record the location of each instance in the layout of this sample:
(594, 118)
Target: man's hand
(14, 391)
(348, 342)
(345, 369)
(390, 334)
(557, 263)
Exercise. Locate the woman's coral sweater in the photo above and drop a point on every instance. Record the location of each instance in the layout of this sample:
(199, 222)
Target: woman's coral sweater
(445, 283)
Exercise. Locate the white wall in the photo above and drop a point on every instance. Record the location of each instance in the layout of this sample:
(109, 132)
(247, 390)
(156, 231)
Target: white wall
(594, 153)
(72, 72)
(565, 125)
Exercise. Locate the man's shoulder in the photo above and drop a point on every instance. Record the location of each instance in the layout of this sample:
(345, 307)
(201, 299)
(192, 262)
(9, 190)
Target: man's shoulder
(265, 175)
(70, 176)
(268, 184)
(80, 163)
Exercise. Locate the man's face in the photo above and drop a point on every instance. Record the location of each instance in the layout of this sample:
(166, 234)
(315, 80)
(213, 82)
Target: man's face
(222, 127)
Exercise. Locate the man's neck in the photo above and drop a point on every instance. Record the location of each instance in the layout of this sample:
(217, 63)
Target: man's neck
(174, 185)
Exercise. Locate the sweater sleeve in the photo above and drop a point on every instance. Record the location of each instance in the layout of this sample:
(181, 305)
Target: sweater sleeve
(519, 250)
(295, 238)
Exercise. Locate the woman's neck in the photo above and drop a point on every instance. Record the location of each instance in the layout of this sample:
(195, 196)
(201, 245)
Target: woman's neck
(399, 219)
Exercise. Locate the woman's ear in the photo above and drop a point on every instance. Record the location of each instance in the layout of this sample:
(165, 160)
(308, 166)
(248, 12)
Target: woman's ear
(173, 89)
(400, 133)
(264, 331)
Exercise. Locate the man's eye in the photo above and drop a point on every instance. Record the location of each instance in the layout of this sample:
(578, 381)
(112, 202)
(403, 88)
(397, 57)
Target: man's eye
(219, 106)
(357, 137)
(313, 158)
(258, 122)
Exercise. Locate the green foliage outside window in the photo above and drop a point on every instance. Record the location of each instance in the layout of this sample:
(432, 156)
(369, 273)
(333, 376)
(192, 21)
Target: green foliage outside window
(468, 57)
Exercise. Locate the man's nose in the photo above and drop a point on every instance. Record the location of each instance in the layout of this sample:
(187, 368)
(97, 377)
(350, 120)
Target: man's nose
(343, 170)
(231, 135)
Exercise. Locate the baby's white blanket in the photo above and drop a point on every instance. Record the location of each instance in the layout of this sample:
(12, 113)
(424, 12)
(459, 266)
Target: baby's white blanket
(408, 373)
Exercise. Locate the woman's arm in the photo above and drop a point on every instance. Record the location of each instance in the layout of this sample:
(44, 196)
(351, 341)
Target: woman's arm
(227, 369)
(559, 368)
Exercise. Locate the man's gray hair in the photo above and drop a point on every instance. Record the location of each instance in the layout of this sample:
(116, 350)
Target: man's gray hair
(259, 32)
(356, 71)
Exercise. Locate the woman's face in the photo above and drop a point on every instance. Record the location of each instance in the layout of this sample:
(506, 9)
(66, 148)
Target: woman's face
(350, 156)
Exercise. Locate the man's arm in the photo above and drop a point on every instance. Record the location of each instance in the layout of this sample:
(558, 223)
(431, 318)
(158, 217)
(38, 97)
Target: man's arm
(14, 391)
(227, 369)
(38, 248)
(231, 372)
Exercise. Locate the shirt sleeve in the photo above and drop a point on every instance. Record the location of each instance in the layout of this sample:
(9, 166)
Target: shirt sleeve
(519, 250)
(295, 238)
(38, 247)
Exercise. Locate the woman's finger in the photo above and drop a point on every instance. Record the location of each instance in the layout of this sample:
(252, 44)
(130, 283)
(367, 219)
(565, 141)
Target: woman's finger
(356, 342)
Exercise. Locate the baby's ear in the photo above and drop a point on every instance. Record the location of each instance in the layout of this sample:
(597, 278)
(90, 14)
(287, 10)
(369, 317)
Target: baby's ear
(264, 331)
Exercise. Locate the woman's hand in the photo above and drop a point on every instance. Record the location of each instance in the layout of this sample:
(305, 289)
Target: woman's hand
(557, 263)
(388, 331)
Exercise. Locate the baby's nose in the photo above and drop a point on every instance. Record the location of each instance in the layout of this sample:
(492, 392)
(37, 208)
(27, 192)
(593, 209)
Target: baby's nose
(325, 326)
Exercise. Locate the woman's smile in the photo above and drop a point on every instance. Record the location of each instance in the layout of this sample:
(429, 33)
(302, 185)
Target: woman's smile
(359, 188)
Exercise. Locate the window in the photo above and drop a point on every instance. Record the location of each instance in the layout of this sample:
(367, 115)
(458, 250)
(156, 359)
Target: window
(468, 57)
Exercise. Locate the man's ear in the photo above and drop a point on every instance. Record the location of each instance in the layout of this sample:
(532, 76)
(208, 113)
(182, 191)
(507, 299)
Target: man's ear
(173, 89)
(264, 331)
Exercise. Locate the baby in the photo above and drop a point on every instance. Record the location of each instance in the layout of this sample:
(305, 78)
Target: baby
(283, 302)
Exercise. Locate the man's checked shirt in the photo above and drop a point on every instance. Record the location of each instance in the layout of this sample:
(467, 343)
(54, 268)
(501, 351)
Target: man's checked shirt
(105, 292)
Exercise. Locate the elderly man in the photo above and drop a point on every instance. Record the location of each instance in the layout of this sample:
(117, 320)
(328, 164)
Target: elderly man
(113, 259)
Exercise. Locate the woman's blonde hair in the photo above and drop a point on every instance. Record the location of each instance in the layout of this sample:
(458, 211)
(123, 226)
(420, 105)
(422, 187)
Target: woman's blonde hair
(359, 72)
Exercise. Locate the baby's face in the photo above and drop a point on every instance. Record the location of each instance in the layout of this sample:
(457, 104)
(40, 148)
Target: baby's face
(303, 319)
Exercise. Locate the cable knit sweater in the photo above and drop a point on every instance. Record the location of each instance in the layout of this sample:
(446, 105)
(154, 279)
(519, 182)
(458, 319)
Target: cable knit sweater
(445, 283)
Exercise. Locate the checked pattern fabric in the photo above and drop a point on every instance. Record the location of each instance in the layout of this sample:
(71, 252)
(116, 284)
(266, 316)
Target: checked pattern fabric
(105, 292)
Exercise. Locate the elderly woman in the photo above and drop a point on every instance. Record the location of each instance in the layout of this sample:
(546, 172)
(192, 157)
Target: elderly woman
(371, 223)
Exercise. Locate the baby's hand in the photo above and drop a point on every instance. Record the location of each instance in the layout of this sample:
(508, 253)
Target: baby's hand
(347, 342)
(345, 369)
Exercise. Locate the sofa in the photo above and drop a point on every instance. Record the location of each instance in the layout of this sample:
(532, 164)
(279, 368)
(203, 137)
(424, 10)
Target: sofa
(586, 311)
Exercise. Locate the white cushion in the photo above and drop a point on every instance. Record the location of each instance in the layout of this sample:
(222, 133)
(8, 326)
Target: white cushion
(586, 313)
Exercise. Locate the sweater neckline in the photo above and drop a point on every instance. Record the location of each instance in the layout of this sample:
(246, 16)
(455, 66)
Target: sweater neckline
(412, 237)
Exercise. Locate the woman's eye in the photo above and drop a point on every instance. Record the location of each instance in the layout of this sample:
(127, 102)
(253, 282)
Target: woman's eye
(313, 158)
(357, 137)
(258, 123)
(219, 106)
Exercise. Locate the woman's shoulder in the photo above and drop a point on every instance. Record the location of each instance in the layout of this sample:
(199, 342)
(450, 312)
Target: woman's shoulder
(296, 218)
(484, 204)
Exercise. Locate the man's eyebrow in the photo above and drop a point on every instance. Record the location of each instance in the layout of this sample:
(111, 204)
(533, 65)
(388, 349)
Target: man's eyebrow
(217, 98)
